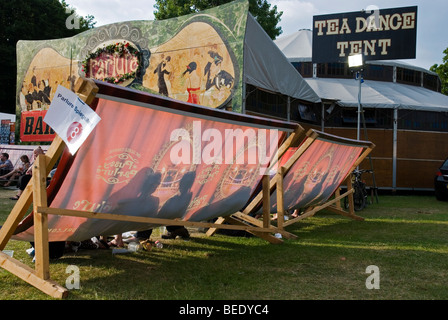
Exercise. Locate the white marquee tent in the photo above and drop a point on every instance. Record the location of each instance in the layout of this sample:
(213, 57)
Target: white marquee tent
(297, 47)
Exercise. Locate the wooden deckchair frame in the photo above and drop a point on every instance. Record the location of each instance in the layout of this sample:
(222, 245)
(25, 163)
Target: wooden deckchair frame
(332, 205)
(35, 193)
(240, 218)
(276, 182)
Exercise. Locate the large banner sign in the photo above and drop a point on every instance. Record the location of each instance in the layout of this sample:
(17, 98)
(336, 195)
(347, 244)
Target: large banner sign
(384, 34)
(149, 161)
(195, 58)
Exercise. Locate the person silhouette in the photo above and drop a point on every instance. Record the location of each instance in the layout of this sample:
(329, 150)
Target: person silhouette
(226, 206)
(177, 206)
(127, 201)
(144, 205)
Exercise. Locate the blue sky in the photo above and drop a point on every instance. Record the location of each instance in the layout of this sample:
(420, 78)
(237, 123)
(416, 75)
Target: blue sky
(432, 22)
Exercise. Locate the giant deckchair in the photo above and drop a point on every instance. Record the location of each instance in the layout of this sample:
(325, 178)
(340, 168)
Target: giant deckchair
(130, 174)
(308, 180)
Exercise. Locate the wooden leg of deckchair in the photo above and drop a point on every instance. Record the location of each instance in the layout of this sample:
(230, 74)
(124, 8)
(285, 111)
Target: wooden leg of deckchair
(211, 231)
(280, 203)
(351, 202)
(345, 213)
(263, 235)
(266, 201)
(336, 207)
(330, 205)
(308, 212)
(29, 275)
(23, 204)
(40, 278)
(258, 223)
(248, 219)
(17, 214)
(337, 194)
(40, 220)
(238, 221)
(35, 191)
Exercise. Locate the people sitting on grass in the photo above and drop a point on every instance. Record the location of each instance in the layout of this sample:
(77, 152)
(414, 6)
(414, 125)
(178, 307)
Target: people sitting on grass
(16, 173)
(6, 165)
(25, 178)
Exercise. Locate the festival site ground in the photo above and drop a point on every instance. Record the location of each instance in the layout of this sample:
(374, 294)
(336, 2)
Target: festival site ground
(399, 252)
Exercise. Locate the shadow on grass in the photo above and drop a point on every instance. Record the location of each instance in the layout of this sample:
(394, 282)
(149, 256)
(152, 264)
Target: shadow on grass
(156, 274)
(328, 260)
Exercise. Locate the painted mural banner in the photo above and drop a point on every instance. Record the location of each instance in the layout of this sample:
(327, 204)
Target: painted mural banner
(196, 58)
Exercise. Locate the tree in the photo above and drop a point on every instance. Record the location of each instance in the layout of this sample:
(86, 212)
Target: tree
(442, 71)
(30, 20)
(266, 16)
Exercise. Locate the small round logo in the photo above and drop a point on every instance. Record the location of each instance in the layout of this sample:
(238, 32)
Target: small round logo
(74, 132)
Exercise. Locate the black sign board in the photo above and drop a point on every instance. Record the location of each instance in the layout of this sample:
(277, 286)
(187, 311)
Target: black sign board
(384, 34)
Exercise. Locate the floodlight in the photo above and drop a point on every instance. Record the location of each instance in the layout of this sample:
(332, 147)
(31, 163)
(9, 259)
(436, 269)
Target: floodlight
(355, 60)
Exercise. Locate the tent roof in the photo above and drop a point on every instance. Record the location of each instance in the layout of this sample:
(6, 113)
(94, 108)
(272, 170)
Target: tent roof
(298, 47)
(266, 67)
(379, 94)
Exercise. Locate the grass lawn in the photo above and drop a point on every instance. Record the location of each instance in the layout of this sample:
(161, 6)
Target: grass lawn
(405, 237)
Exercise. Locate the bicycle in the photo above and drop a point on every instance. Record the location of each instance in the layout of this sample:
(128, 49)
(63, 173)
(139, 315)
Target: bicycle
(360, 190)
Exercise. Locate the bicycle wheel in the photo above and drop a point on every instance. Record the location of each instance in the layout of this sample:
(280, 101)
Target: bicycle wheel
(359, 200)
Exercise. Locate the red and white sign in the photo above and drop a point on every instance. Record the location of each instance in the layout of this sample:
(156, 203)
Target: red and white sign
(71, 118)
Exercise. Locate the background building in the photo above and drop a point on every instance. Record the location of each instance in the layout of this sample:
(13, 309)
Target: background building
(405, 114)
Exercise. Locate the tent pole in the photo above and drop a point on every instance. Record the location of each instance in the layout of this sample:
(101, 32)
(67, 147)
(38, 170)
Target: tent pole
(243, 94)
(394, 152)
(323, 117)
(375, 188)
(359, 76)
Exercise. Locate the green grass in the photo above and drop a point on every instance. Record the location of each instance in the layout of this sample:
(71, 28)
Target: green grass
(404, 236)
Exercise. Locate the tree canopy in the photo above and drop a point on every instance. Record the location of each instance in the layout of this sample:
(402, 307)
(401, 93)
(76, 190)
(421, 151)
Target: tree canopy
(31, 20)
(442, 71)
(266, 16)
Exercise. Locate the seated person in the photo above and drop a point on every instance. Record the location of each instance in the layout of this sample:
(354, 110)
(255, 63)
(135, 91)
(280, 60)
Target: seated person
(25, 178)
(6, 165)
(16, 173)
